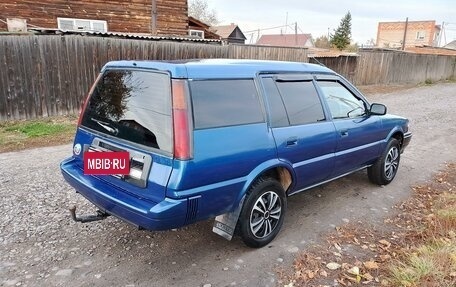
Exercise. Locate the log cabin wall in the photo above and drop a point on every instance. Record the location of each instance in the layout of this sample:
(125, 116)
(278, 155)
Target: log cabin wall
(128, 16)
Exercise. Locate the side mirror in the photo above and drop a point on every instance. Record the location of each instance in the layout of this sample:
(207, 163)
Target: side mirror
(377, 109)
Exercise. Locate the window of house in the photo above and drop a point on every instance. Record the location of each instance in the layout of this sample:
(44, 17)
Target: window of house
(420, 35)
(301, 102)
(196, 33)
(70, 24)
(341, 102)
(222, 103)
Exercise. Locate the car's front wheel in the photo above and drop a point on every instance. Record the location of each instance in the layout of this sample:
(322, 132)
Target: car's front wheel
(383, 171)
(262, 213)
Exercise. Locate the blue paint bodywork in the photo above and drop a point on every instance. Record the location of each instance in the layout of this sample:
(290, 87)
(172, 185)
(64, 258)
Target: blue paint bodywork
(227, 160)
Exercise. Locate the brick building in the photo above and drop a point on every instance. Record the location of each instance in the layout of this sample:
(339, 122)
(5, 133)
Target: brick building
(161, 17)
(417, 33)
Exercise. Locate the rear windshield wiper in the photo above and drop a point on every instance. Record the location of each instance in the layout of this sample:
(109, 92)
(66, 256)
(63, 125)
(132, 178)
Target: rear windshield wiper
(106, 126)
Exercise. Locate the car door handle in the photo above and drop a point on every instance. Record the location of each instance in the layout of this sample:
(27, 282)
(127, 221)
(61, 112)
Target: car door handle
(292, 141)
(344, 133)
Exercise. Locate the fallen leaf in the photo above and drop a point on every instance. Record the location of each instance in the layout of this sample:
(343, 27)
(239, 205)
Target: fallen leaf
(368, 277)
(385, 257)
(370, 265)
(333, 265)
(342, 282)
(356, 279)
(385, 243)
(354, 270)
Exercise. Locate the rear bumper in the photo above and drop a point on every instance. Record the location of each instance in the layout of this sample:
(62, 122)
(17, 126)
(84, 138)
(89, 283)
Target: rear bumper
(167, 214)
(406, 141)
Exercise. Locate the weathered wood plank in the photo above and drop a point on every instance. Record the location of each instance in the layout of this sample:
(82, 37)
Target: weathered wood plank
(51, 75)
(121, 16)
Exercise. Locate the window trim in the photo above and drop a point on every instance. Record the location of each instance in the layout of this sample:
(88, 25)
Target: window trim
(420, 35)
(302, 78)
(91, 23)
(258, 93)
(190, 31)
(126, 141)
(352, 92)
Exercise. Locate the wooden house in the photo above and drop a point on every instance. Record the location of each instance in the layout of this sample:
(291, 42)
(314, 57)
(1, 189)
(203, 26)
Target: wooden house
(232, 34)
(156, 17)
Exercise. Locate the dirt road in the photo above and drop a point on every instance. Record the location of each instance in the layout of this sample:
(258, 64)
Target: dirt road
(41, 246)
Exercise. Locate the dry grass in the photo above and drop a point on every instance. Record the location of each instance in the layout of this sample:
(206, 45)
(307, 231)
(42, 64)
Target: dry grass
(416, 247)
(19, 135)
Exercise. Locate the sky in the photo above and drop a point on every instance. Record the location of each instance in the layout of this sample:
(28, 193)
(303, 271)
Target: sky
(319, 17)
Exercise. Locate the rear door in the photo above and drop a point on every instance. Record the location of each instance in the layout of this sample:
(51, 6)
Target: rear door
(130, 110)
(303, 135)
(358, 139)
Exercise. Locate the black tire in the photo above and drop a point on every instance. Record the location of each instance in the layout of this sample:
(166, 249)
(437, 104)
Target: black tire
(263, 212)
(383, 171)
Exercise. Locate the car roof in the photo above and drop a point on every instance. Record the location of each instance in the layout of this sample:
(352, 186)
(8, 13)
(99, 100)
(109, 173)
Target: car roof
(221, 68)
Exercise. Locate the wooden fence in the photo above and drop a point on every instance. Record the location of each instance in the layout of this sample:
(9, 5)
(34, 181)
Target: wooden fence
(50, 75)
(344, 65)
(383, 68)
(398, 67)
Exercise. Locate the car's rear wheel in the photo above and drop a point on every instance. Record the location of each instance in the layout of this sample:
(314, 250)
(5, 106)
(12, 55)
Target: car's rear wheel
(262, 213)
(383, 171)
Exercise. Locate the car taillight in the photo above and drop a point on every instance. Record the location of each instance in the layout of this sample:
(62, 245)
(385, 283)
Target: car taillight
(83, 107)
(181, 121)
(86, 100)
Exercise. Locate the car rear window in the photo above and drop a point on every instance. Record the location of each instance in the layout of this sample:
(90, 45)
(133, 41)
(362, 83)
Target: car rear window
(133, 105)
(221, 103)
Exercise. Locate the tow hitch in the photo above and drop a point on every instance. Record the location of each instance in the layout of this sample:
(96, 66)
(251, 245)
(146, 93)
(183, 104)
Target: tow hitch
(87, 218)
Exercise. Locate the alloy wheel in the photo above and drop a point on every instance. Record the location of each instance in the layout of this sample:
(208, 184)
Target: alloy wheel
(391, 162)
(265, 214)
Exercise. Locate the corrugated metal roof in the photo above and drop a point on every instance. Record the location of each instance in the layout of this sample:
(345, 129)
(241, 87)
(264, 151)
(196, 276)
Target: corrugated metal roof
(127, 35)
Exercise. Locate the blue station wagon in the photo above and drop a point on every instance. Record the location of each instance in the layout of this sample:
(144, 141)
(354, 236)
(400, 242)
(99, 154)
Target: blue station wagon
(226, 139)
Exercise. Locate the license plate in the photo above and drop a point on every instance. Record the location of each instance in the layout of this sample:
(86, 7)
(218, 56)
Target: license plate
(107, 163)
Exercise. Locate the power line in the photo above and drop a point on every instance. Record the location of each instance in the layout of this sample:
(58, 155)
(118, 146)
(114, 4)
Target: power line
(270, 28)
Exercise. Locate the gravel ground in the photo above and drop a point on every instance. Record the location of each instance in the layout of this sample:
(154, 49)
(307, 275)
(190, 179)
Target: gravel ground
(41, 246)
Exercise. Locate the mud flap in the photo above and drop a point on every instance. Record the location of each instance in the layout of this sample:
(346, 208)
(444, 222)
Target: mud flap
(225, 224)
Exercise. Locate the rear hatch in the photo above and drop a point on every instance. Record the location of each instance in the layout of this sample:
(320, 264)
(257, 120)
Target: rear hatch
(131, 110)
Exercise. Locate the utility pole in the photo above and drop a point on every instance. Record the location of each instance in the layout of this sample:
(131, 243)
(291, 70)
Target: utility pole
(296, 34)
(440, 34)
(286, 23)
(405, 34)
(154, 18)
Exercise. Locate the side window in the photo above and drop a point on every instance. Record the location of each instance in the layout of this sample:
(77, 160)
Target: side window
(277, 111)
(221, 103)
(342, 103)
(301, 102)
